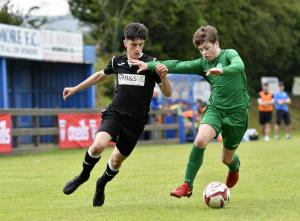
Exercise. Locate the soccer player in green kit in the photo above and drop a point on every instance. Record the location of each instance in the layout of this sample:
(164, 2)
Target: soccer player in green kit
(227, 110)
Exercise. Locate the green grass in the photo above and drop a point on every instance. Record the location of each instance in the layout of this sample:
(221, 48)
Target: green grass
(31, 185)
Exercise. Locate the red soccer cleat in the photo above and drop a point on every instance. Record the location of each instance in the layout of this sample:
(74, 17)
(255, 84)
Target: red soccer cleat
(232, 177)
(183, 191)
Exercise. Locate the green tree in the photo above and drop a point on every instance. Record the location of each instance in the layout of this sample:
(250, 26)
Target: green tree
(7, 17)
(264, 32)
(11, 17)
(107, 18)
(171, 26)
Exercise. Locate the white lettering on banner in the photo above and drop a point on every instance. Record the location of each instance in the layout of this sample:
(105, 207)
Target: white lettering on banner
(4, 133)
(80, 133)
(20, 42)
(40, 45)
(62, 129)
(131, 79)
(62, 46)
(93, 126)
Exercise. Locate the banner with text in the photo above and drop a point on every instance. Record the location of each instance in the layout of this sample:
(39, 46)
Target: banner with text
(62, 46)
(77, 130)
(5, 133)
(20, 42)
(40, 45)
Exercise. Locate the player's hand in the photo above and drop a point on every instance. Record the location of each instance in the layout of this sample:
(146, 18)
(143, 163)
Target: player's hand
(161, 70)
(135, 62)
(68, 91)
(214, 71)
(281, 102)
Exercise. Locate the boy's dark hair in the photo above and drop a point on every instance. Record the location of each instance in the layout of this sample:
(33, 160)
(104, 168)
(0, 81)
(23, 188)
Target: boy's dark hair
(206, 33)
(135, 31)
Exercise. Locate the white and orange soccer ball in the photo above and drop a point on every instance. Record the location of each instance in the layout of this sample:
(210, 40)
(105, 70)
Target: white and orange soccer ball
(216, 194)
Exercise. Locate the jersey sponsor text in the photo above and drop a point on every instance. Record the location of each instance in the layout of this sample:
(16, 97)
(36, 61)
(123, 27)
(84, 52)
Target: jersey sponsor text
(131, 79)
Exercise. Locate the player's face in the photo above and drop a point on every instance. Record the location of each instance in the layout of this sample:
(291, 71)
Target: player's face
(209, 50)
(265, 87)
(281, 87)
(134, 48)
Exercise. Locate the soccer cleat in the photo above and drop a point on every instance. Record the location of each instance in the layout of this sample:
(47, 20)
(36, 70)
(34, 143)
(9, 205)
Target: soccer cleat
(233, 177)
(183, 191)
(99, 195)
(73, 184)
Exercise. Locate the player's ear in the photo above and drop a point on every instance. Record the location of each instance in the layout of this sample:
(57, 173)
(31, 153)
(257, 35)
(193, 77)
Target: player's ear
(125, 43)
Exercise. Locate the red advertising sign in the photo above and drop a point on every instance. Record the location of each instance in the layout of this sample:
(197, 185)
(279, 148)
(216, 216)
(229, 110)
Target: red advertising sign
(5, 133)
(77, 130)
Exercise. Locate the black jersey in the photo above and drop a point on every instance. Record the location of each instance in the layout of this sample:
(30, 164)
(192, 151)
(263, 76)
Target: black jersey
(133, 90)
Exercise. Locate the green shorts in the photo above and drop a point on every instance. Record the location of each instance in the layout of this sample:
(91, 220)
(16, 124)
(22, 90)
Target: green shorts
(232, 125)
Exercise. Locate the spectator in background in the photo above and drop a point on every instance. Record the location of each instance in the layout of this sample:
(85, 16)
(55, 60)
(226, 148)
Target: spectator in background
(154, 118)
(155, 105)
(281, 101)
(200, 108)
(265, 107)
(189, 116)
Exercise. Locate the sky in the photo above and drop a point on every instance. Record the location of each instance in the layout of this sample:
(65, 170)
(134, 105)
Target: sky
(47, 7)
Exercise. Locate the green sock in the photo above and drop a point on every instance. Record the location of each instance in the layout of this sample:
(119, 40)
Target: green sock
(235, 163)
(195, 162)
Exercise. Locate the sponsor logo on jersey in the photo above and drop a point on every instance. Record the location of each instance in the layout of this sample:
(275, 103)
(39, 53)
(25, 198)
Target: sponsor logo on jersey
(235, 145)
(131, 79)
(120, 64)
(219, 65)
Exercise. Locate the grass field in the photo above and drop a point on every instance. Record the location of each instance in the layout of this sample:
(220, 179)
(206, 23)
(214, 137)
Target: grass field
(31, 185)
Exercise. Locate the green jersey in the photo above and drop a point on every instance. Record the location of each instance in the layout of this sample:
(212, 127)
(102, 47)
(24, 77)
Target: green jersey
(228, 90)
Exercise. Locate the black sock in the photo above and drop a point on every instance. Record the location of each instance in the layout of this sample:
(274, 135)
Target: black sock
(107, 176)
(88, 164)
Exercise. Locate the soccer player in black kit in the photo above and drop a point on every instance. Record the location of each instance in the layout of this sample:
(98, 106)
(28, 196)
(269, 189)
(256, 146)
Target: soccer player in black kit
(124, 120)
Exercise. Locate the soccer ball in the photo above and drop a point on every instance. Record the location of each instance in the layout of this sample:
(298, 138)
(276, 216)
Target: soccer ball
(216, 195)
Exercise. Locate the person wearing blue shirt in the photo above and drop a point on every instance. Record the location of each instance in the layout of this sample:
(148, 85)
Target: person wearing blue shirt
(281, 101)
(155, 104)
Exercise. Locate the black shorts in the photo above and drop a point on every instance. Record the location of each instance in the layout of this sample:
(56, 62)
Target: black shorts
(124, 130)
(280, 114)
(265, 117)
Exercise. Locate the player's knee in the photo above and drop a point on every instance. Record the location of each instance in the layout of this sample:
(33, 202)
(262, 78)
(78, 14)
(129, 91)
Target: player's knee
(98, 146)
(201, 141)
(115, 162)
(227, 160)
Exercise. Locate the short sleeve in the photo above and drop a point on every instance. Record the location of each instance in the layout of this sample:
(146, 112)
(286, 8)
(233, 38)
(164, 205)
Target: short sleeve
(109, 69)
(157, 78)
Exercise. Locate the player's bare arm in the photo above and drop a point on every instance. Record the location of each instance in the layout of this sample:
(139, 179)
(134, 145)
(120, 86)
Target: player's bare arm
(288, 101)
(165, 86)
(93, 79)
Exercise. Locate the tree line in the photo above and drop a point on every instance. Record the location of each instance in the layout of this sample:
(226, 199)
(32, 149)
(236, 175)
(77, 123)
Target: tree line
(266, 33)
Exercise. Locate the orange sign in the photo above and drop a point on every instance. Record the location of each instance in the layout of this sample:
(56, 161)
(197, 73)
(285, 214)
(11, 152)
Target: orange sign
(77, 130)
(5, 133)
